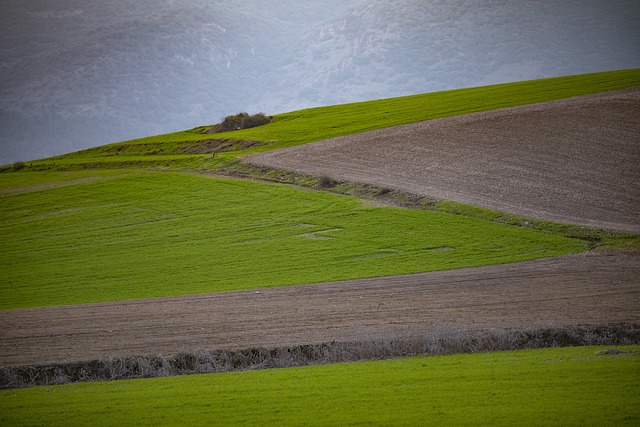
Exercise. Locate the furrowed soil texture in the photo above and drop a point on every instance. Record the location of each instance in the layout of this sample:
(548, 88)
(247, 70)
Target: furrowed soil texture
(574, 160)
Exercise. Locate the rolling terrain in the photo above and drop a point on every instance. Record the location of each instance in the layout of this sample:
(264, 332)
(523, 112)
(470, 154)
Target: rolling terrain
(599, 134)
(123, 259)
(573, 160)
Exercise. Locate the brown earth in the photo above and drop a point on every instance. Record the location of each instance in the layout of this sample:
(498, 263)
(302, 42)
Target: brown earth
(586, 289)
(574, 160)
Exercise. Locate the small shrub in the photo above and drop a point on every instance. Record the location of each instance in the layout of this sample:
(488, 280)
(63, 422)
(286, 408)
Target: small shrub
(238, 122)
(17, 166)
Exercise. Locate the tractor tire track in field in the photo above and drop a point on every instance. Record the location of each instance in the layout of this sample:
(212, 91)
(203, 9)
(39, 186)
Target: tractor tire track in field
(577, 290)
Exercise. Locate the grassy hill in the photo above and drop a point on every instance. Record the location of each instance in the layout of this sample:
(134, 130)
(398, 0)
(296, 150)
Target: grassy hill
(78, 238)
(110, 224)
(187, 149)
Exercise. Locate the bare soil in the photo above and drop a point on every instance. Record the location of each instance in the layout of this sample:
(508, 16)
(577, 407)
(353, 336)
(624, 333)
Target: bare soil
(574, 160)
(578, 290)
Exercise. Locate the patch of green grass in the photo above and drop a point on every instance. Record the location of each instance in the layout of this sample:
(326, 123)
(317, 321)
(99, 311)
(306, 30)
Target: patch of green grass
(152, 234)
(299, 127)
(569, 386)
(30, 181)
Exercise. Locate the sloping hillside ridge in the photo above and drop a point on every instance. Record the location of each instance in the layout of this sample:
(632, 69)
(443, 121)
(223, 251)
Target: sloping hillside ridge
(573, 160)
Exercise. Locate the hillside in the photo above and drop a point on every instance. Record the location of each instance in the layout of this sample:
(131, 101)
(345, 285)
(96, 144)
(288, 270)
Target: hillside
(573, 160)
(193, 149)
(141, 247)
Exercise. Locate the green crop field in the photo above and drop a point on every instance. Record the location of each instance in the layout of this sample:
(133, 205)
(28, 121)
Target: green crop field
(570, 386)
(89, 236)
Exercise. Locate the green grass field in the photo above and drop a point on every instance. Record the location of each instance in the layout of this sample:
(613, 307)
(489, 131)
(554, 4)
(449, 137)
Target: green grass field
(569, 386)
(89, 236)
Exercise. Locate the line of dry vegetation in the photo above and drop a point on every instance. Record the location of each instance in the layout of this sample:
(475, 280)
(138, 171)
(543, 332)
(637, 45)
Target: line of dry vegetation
(443, 341)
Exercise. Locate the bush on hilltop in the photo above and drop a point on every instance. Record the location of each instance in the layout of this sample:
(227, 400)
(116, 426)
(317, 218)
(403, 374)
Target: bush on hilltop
(239, 121)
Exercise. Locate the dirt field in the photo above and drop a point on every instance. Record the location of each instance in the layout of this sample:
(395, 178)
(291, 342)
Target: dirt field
(586, 289)
(573, 160)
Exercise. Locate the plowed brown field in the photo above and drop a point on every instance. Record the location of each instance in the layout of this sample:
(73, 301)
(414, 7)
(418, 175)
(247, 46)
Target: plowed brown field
(574, 160)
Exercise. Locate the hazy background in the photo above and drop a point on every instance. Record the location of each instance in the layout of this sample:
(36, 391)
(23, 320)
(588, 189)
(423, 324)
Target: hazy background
(81, 73)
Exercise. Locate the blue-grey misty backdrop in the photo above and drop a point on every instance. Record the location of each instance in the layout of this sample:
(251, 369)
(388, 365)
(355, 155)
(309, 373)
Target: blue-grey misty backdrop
(81, 73)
